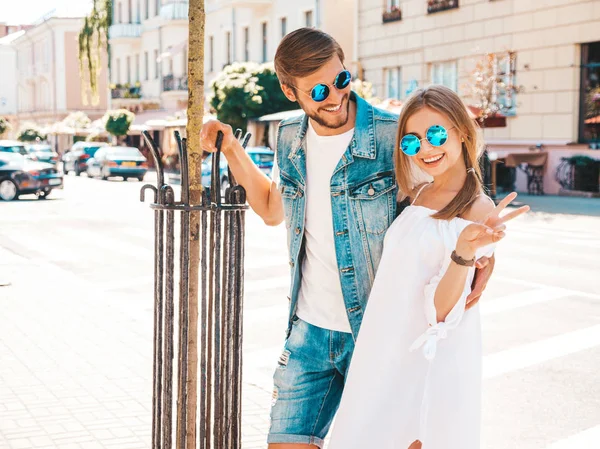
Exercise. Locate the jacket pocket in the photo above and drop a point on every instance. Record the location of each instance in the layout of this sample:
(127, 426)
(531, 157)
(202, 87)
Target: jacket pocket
(289, 194)
(372, 204)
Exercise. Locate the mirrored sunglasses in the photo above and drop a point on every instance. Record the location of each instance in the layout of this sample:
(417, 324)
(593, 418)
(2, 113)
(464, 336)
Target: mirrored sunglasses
(436, 135)
(321, 91)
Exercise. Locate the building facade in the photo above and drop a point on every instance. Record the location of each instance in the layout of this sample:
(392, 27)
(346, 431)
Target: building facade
(48, 85)
(251, 30)
(148, 42)
(8, 76)
(149, 48)
(546, 56)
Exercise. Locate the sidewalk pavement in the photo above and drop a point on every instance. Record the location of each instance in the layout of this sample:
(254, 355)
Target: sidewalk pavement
(76, 366)
(554, 204)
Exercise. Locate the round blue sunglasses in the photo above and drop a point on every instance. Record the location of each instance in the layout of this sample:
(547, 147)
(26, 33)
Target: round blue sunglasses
(321, 91)
(436, 135)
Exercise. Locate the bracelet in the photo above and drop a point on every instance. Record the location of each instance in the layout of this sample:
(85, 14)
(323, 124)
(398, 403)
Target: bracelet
(460, 261)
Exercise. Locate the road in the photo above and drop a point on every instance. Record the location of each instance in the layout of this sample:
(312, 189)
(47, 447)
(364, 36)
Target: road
(76, 325)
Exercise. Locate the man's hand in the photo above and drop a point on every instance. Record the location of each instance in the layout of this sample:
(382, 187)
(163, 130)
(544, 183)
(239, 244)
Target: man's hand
(208, 137)
(485, 267)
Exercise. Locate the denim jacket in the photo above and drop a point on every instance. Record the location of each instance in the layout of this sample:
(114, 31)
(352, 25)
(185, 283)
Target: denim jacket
(363, 202)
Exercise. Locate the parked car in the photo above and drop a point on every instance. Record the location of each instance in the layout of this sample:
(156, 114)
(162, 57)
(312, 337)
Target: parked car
(127, 162)
(263, 157)
(207, 170)
(43, 153)
(75, 160)
(20, 176)
(13, 146)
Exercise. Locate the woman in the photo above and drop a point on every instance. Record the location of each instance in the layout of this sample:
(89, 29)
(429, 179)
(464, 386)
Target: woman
(415, 376)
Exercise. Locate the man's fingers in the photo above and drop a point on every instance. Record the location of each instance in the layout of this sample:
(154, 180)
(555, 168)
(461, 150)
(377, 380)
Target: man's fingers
(482, 262)
(471, 301)
(209, 133)
(514, 214)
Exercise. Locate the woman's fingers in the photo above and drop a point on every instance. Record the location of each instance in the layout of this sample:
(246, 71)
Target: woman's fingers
(505, 202)
(514, 214)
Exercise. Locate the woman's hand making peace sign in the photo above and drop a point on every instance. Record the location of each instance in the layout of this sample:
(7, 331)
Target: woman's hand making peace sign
(491, 230)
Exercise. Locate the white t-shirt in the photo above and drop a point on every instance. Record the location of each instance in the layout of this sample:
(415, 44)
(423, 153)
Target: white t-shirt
(320, 300)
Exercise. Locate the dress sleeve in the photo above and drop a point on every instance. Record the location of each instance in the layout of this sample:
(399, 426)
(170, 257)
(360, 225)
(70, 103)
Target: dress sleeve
(439, 330)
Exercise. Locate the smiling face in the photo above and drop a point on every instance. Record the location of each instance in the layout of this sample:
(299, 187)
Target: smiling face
(435, 160)
(332, 115)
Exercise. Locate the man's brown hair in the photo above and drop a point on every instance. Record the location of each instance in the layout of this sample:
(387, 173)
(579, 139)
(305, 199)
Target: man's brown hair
(302, 52)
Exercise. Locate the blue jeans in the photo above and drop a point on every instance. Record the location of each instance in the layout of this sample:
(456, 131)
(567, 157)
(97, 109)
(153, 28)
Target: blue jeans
(309, 381)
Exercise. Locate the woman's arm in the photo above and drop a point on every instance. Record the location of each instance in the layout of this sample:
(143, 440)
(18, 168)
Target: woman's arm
(452, 285)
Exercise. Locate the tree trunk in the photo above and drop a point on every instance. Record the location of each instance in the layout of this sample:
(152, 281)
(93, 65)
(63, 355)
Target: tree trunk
(195, 115)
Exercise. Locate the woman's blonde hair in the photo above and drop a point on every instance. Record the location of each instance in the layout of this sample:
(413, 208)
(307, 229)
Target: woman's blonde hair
(448, 103)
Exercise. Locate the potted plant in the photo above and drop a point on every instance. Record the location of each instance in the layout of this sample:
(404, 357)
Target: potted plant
(392, 15)
(579, 173)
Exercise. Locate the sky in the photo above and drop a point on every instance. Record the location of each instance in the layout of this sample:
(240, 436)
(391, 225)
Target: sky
(23, 12)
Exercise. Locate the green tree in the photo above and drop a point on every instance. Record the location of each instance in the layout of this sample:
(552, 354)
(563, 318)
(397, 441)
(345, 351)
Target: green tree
(247, 90)
(4, 125)
(30, 133)
(92, 39)
(117, 122)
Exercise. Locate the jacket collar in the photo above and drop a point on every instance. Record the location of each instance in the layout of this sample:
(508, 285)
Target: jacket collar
(363, 142)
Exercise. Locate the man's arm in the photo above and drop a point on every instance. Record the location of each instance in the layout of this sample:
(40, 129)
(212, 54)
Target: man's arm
(261, 192)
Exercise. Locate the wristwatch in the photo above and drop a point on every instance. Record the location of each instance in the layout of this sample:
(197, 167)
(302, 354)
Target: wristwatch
(460, 261)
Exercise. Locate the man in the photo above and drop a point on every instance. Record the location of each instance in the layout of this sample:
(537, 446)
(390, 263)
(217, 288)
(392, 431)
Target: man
(334, 185)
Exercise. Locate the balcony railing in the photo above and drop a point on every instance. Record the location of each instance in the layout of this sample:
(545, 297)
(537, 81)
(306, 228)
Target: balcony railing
(125, 91)
(434, 6)
(124, 30)
(171, 83)
(175, 10)
(393, 15)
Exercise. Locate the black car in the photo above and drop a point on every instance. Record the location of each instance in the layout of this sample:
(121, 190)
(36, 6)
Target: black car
(21, 176)
(75, 160)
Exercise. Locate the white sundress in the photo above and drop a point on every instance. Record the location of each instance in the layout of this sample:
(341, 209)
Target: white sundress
(412, 378)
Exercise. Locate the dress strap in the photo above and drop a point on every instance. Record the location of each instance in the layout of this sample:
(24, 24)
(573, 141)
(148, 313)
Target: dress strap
(419, 192)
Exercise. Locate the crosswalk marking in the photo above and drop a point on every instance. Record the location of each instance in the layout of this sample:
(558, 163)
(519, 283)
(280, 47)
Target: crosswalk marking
(526, 283)
(260, 285)
(531, 354)
(522, 299)
(588, 439)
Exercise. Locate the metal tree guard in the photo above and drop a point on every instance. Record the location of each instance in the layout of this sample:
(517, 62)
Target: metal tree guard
(220, 313)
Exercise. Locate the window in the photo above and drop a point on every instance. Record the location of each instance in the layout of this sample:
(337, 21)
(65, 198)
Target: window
(157, 7)
(246, 44)
(156, 64)
(211, 54)
(129, 12)
(393, 83)
(283, 27)
(138, 7)
(264, 42)
(445, 73)
(120, 13)
(171, 65)
(147, 9)
(118, 71)
(308, 19)
(228, 47)
(589, 103)
(391, 4)
(440, 5)
(146, 67)
(128, 69)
